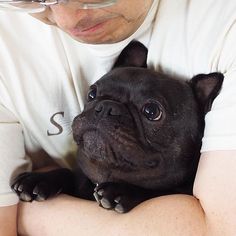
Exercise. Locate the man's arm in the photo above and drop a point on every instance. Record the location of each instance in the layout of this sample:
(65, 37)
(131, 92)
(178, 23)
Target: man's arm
(168, 215)
(8, 220)
(12, 160)
(216, 189)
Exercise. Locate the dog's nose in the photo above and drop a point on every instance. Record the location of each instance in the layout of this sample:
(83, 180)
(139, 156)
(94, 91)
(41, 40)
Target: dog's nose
(107, 108)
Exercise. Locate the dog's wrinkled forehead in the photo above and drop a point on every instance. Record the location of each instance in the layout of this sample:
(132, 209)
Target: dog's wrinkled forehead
(128, 82)
(124, 81)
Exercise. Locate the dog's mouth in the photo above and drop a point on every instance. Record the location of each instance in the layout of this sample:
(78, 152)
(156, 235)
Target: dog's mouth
(114, 157)
(108, 151)
(117, 142)
(94, 145)
(115, 147)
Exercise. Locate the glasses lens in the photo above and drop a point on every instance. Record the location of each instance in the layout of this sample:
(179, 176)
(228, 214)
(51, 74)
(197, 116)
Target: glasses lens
(22, 6)
(40, 5)
(93, 4)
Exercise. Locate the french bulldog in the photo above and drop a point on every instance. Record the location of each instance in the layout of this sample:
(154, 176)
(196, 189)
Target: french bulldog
(138, 137)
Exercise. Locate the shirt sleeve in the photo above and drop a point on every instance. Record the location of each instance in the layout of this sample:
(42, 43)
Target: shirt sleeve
(220, 129)
(12, 155)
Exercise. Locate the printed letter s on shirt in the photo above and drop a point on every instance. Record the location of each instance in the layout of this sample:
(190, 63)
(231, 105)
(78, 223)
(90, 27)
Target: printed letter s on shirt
(59, 127)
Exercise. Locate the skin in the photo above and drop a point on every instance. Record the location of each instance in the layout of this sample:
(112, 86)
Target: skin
(8, 220)
(97, 26)
(86, 219)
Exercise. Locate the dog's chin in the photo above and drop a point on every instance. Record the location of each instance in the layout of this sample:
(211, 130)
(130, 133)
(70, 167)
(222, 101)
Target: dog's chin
(115, 149)
(112, 157)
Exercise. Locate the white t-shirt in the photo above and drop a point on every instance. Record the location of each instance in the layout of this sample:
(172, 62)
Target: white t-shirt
(45, 74)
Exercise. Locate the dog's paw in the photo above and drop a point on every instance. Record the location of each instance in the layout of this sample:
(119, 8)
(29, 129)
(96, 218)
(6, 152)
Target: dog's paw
(30, 186)
(115, 196)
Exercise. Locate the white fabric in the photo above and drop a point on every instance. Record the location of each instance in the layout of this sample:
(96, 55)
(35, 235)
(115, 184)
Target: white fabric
(44, 76)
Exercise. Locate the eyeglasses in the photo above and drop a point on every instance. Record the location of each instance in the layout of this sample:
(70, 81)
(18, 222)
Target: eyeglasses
(35, 6)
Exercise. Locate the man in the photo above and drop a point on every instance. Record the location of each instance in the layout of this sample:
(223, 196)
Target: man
(45, 71)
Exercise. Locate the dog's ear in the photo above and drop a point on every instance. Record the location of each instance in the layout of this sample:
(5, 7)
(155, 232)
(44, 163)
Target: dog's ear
(134, 55)
(206, 87)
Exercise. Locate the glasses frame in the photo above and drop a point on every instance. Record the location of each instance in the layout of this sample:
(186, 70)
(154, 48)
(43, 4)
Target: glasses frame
(46, 3)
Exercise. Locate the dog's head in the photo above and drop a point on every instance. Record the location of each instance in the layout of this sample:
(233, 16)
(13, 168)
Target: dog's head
(143, 127)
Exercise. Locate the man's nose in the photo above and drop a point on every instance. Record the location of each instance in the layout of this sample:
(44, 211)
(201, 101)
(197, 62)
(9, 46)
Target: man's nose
(68, 16)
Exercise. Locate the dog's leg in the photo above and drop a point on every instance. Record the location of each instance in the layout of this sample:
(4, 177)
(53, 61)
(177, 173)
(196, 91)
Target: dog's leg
(40, 186)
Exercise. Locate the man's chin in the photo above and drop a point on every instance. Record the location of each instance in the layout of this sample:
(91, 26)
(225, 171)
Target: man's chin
(94, 40)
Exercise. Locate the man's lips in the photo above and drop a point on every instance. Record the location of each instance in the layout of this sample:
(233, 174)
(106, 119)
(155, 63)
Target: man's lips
(88, 29)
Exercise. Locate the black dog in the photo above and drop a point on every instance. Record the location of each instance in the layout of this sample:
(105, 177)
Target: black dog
(138, 137)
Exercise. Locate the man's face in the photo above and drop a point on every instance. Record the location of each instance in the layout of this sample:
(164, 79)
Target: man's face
(96, 26)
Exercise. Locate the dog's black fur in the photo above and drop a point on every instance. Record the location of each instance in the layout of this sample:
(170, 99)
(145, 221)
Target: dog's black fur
(138, 137)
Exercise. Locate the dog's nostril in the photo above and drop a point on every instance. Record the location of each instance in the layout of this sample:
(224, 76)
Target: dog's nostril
(114, 111)
(99, 108)
(108, 109)
(152, 163)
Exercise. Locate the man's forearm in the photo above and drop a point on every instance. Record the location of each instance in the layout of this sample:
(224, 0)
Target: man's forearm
(8, 220)
(65, 215)
(215, 187)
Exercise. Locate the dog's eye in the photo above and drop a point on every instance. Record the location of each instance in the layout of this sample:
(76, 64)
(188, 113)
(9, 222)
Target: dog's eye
(152, 111)
(92, 94)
